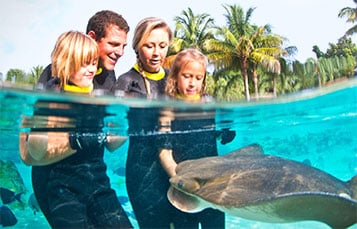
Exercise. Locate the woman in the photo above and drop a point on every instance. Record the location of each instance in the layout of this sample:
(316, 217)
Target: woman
(147, 78)
(69, 174)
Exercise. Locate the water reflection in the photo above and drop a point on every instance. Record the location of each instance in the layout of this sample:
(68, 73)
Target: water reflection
(320, 129)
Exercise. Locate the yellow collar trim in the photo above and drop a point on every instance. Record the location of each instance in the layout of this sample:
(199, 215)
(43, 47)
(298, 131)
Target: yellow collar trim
(77, 89)
(153, 76)
(99, 71)
(190, 97)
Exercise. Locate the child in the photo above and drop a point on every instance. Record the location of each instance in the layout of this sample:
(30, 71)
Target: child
(69, 174)
(186, 81)
(187, 76)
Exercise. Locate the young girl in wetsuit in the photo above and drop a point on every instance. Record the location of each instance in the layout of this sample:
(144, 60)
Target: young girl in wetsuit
(186, 82)
(69, 174)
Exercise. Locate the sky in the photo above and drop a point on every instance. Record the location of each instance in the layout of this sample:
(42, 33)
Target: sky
(30, 28)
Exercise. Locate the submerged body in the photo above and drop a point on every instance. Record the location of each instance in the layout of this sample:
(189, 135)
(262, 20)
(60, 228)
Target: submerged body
(251, 185)
(146, 180)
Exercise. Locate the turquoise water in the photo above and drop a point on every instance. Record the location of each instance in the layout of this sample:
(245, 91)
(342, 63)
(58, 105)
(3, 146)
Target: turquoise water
(318, 126)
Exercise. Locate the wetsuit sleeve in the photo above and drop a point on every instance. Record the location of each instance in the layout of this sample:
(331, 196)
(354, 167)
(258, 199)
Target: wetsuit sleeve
(87, 141)
(226, 135)
(129, 85)
(123, 83)
(105, 80)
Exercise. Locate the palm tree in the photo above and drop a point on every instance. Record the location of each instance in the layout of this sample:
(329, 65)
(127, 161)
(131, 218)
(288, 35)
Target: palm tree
(35, 74)
(268, 48)
(351, 14)
(191, 32)
(243, 44)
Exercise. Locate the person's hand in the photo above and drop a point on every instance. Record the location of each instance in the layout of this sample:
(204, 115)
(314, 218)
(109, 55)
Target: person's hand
(167, 161)
(114, 142)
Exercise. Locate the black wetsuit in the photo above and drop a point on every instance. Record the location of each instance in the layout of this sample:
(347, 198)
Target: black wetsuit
(132, 84)
(147, 182)
(76, 192)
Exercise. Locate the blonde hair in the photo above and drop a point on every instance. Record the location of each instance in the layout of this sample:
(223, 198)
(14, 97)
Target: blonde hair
(182, 59)
(72, 50)
(145, 27)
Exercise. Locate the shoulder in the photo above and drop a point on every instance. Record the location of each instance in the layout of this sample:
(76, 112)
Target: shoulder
(129, 76)
(105, 80)
(167, 71)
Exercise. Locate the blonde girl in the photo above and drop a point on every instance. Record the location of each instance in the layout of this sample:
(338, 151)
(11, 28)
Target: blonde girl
(187, 75)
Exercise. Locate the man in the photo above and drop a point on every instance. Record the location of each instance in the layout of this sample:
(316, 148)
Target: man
(109, 30)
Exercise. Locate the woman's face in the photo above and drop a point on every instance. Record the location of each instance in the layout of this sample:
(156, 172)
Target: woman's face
(84, 77)
(153, 52)
(190, 79)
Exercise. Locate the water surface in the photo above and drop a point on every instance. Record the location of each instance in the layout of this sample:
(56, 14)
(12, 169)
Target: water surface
(317, 126)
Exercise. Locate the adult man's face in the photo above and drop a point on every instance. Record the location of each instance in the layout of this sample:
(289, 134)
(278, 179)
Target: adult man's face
(111, 47)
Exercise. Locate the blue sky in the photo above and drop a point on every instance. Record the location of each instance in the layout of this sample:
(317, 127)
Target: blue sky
(29, 28)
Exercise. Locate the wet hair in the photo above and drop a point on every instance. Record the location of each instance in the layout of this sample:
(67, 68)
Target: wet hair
(144, 28)
(72, 50)
(102, 20)
(182, 59)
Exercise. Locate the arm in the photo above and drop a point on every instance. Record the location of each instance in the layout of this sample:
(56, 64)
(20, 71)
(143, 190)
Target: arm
(167, 161)
(43, 148)
(114, 142)
(165, 154)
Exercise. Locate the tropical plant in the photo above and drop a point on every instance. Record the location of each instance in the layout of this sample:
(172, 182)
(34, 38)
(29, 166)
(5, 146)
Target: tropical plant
(16, 75)
(241, 44)
(35, 74)
(351, 14)
(191, 31)
(344, 47)
(268, 48)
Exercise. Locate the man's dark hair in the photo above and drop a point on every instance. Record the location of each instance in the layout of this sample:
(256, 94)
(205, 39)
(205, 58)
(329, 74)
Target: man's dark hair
(102, 20)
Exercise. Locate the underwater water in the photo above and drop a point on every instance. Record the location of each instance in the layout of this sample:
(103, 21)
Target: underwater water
(317, 127)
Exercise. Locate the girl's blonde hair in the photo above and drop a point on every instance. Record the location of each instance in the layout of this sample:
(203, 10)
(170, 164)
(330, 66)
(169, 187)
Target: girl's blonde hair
(145, 27)
(181, 59)
(72, 51)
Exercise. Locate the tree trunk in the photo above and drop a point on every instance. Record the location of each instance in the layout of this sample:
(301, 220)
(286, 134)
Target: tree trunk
(244, 67)
(274, 86)
(255, 80)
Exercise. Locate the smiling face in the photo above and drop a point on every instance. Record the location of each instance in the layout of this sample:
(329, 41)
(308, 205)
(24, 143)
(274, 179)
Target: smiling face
(153, 50)
(190, 79)
(84, 77)
(111, 47)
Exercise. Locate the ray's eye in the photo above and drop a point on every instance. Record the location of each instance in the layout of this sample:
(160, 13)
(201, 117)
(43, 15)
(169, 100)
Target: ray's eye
(180, 184)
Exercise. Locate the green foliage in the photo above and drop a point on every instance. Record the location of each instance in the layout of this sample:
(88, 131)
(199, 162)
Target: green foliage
(350, 13)
(344, 47)
(35, 74)
(191, 31)
(18, 76)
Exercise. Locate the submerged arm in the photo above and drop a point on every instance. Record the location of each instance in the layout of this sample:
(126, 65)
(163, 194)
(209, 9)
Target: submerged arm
(43, 148)
(167, 161)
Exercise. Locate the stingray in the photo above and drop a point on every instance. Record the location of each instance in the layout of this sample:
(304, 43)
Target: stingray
(248, 184)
